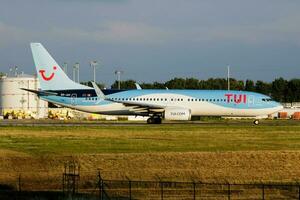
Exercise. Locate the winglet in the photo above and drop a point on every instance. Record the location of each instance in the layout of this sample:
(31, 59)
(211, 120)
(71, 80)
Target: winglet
(98, 91)
(138, 87)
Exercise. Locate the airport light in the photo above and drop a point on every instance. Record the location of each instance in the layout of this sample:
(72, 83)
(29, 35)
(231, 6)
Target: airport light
(10, 71)
(66, 68)
(16, 71)
(76, 70)
(93, 64)
(118, 73)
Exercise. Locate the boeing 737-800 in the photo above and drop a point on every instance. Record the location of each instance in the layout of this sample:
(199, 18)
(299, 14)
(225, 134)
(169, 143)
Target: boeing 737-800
(57, 88)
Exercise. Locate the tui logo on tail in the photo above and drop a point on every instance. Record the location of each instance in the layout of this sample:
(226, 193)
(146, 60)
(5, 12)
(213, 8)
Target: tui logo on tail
(47, 78)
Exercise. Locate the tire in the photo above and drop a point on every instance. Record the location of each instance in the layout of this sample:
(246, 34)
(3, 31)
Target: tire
(157, 120)
(150, 120)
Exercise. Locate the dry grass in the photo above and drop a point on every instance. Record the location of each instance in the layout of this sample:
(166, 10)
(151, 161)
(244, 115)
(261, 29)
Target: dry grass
(230, 152)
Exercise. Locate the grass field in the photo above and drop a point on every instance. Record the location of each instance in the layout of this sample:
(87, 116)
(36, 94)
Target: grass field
(217, 151)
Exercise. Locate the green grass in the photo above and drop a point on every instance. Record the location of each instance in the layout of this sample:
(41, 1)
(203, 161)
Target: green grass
(211, 137)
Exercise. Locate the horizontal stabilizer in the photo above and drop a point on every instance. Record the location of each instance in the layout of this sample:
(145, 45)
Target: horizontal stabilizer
(40, 92)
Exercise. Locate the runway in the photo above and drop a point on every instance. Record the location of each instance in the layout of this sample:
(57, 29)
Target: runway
(78, 123)
(60, 123)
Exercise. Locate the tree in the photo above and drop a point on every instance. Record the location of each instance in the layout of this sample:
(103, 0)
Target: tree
(191, 83)
(176, 83)
(293, 91)
(236, 84)
(128, 84)
(279, 89)
(89, 83)
(249, 86)
(262, 87)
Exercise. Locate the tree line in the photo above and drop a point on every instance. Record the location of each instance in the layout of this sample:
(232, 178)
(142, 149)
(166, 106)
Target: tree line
(280, 89)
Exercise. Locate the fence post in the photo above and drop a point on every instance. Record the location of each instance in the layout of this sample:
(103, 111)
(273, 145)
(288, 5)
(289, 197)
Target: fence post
(194, 188)
(129, 189)
(100, 185)
(229, 192)
(161, 190)
(263, 192)
(299, 191)
(20, 189)
(63, 183)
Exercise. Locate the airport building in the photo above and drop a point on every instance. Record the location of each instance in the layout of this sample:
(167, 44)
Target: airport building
(17, 103)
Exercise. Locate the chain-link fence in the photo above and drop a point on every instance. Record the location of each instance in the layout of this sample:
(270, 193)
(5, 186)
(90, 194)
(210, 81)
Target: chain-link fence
(89, 186)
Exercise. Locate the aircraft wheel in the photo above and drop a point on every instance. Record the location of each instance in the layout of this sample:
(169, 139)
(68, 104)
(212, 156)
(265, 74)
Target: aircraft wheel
(157, 120)
(154, 120)
(150, 120)
(256, 122)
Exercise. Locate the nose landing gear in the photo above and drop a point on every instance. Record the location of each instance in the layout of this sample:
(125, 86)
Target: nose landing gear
(256, 122)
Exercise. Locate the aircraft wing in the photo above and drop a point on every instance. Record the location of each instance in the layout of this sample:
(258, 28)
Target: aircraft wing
(140, 107)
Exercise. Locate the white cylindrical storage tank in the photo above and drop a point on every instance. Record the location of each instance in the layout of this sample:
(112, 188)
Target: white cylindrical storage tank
(13, 99)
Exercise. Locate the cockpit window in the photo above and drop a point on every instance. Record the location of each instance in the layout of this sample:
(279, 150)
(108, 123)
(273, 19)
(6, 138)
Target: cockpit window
(267, 99)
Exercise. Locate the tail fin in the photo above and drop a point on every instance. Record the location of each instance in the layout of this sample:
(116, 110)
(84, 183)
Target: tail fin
(50, 74)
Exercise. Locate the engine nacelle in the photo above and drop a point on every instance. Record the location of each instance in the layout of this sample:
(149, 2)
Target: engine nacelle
(177, 114)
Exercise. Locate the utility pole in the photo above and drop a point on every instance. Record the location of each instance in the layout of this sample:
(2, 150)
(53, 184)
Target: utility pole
(93, 64)
(228, 77)
(118, 73)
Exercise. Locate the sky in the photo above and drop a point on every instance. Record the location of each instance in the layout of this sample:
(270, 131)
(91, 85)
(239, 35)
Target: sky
(156, 40)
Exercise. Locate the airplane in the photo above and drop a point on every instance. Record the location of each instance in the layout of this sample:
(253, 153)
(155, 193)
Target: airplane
(168, 104)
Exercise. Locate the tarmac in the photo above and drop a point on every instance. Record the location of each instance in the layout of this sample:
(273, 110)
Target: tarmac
(78, 123)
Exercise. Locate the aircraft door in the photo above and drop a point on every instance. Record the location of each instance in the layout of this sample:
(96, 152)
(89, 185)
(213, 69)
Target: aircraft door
(73, 99)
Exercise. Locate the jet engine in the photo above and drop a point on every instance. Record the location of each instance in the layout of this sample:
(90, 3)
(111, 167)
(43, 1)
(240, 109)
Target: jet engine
(182, 114)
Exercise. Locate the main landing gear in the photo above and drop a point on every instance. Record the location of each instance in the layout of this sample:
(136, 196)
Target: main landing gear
(154, 120)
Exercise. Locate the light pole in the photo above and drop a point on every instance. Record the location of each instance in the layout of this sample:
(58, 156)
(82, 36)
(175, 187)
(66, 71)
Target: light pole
(228, 77)
(66, 68)
(93, 65)
(76, 68)
(118, 73)
(16, 71)
(10, 71)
